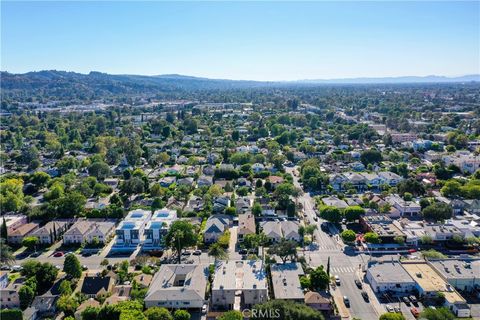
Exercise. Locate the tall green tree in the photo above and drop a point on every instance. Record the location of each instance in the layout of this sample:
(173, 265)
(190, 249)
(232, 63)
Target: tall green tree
(284, 249)
(180, 235)
(72, 266)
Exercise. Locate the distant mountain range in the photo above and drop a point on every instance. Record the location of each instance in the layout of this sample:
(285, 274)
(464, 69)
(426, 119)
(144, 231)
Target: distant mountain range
(62, 84)
(407, 79)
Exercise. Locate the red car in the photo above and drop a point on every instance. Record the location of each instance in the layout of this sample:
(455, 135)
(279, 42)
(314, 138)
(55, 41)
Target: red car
(58, 254)
(415, 312)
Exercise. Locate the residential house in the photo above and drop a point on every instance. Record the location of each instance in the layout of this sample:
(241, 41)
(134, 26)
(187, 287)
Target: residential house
(14, 221)
(272, 230)
(286, 281)
(44, 306)
(143, 280)
(390, 178)
(220, 203)
(204, 181)
(257, 167)
(473, 206)
(333, 201)
(17, 235)
(216, 226)
(246, 225)
(178, 286)
(167, 181)
(92, 286)
(188, 181)
(243, 278)
(86, 230)
(317, 301)
(277, 230)
(243, 204)
(9, 298)
(52, 231)
(275, 180)
(194, 204)
(405, 208)
(86, 304)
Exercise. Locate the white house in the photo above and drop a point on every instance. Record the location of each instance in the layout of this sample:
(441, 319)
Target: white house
(129, 233)
(157, 227)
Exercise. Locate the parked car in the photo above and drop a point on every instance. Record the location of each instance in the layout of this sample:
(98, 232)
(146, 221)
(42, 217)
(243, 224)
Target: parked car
(243, 251)
(35, 254)
(365, 296)
(58, 254)
(17, 268)
(186, 253)
(414, 300)
(407, 302)
(5, 268)
(197, 252)
(84, 268)
(397, 309)
(337, 280)
(204, 308)
(389, 308)
(358, 283)
(415, 312)
(346, 301)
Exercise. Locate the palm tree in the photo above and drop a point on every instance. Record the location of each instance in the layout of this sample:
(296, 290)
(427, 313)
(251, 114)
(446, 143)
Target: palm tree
(6, 255)
(217, 252)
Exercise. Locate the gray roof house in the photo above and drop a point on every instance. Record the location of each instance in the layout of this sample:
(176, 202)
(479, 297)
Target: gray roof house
(178, 286)
(216, 225)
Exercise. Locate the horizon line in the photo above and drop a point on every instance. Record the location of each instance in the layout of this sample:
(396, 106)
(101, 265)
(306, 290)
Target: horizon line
(390, 77)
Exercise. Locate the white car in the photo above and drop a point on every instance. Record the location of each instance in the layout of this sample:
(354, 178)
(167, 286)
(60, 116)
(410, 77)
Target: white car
(17, 268)
(204, 308)
(337, 280)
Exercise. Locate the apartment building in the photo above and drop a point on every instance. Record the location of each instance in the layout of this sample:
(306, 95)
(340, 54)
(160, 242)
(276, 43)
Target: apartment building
(157, 227)
(129, 232)
(239, 284)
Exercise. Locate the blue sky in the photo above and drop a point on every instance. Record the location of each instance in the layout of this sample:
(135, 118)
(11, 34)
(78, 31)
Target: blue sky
(254, 40)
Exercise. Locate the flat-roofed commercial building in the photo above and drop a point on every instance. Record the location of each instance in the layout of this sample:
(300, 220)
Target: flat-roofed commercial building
(430, 283)
(461, 274)
(390, 276)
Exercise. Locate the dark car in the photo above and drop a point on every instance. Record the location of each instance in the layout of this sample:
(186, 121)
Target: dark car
(405, 299)
(243, 251)
(35, 254)
(365, 296)
(358, 283)
(414, 300)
